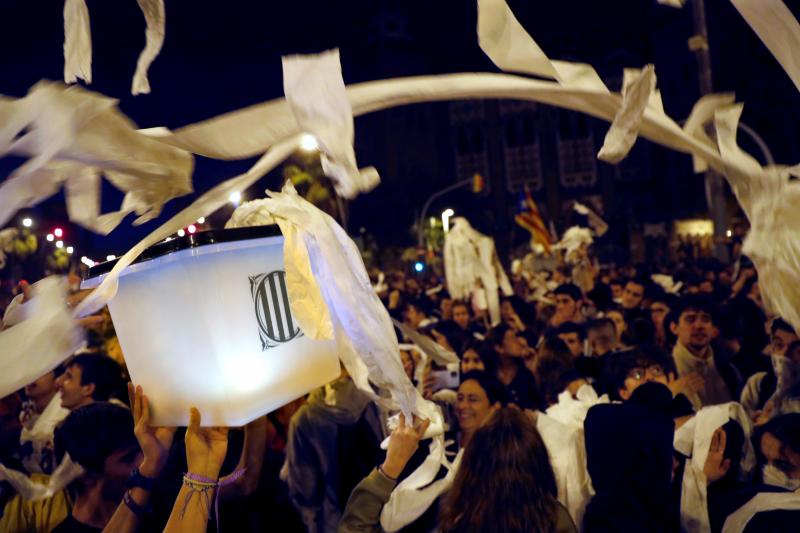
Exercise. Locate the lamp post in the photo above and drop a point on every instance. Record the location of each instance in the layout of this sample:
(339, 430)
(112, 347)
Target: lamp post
(431, 198)
(715, 191)
(768, 159)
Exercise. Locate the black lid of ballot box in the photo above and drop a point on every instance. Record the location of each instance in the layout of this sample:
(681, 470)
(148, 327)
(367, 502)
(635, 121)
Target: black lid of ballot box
(201, 238)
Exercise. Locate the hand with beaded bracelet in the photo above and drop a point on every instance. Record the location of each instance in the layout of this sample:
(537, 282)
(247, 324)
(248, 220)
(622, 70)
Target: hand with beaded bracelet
(205, 452)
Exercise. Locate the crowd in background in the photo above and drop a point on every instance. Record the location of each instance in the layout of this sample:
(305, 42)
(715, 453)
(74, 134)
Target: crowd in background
(644, 354)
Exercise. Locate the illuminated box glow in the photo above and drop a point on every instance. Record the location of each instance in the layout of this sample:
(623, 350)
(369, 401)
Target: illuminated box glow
(204, 321)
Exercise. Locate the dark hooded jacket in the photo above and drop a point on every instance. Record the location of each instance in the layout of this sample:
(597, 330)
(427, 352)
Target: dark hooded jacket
(629, 458)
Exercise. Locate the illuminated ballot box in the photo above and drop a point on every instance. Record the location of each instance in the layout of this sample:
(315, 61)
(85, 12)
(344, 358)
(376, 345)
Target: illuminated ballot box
(204, 320)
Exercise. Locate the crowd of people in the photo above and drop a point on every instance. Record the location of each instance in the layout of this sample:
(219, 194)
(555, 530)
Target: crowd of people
(640, 402)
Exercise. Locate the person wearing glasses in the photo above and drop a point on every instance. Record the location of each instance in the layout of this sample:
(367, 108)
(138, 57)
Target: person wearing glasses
(627, 370)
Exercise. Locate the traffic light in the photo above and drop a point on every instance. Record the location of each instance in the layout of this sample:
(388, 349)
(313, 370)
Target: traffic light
(478, 183)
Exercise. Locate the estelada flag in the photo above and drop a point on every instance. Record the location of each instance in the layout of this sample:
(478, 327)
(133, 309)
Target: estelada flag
(531, 220)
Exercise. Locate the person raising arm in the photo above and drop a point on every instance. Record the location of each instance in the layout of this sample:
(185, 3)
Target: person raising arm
(155, 443)
(205, 452)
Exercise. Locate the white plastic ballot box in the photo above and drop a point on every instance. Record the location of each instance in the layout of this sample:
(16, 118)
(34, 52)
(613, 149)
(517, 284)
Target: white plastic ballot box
(204, 321)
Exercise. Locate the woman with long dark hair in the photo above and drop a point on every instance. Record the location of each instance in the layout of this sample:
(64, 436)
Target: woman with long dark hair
(505, 481)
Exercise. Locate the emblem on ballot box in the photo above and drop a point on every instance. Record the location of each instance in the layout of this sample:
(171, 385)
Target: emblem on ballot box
(271, 300)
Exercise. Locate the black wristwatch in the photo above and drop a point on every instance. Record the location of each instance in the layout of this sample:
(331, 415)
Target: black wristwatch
(138, 480)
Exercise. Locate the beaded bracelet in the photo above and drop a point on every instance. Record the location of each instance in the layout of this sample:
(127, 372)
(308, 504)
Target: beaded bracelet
(204, 486)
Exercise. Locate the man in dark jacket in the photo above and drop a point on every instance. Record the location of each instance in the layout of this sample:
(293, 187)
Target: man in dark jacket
(629, 458)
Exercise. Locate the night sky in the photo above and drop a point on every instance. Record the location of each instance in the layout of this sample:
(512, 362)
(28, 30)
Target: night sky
(221, 56)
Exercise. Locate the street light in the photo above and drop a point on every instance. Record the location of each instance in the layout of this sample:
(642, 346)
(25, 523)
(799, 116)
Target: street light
(446, 214)
(201, 220)
(110, 257)
(50, 237)
(27, 222)
(235, 197)
(437, 194)
(181, 233)
(308, 143)
(70, 249)
(59, 244)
